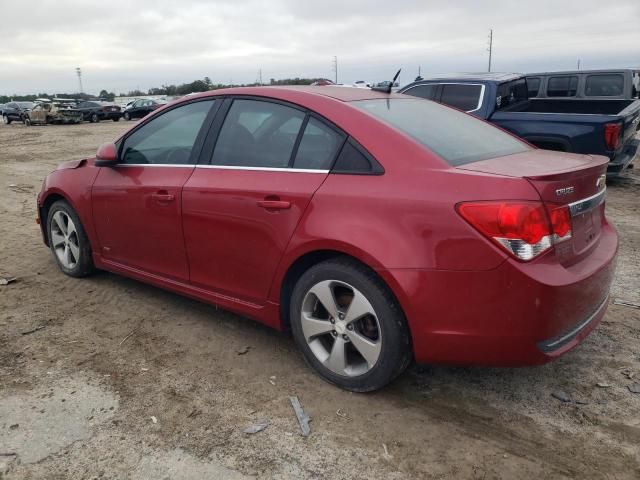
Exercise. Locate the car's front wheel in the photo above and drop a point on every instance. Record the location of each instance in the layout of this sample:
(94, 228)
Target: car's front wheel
(127, 116)
(349, 326)
(6, 119)
(94, 118)
(27, 121)
(68, 241)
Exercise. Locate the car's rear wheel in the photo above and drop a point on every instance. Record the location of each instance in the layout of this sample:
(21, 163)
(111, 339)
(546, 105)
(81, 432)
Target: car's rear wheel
(68, 241)
(27, 121)
(127, 116)
(349, 326)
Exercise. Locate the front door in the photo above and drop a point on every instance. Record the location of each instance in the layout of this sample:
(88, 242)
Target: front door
(242, 207)
(137, 204)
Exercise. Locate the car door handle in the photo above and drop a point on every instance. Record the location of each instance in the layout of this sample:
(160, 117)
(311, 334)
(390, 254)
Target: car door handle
(274, 204)
(163, 197)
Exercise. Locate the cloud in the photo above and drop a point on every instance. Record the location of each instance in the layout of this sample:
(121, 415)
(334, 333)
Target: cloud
(121, 45)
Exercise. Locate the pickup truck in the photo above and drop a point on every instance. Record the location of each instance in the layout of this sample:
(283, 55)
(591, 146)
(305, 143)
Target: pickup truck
(621, 84)
(592, 126)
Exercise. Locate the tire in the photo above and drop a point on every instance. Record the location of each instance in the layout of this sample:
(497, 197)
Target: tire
(116, 119)
(127, 116)
(27, 121)
(81, 261)
(94, 118)
(383, 328)
(6, 119)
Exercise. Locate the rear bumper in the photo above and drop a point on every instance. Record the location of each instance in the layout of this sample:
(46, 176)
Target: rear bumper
(515, 315)
(620, 162)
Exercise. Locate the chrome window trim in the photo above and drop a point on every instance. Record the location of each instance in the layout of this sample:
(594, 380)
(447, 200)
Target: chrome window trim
(586, 204)
(264, 169)
(480, 100)
(174, 165)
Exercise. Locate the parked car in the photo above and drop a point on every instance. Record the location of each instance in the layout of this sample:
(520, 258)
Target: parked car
(377, 227)
(1, 107)
(591, 126)
(94, 111)
(16, 111)
(141, 108)
(52, 112)
(621, 84)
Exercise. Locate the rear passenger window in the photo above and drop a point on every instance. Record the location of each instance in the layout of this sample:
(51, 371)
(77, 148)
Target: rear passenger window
(562, 86)
(533, 86)
(604, 85)
(318, 146)
(463, 97)
(353, 160)
(423, 91)
(258, 134)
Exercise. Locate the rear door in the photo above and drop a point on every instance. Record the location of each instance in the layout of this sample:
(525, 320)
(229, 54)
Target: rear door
(137, 204)
(241, 206)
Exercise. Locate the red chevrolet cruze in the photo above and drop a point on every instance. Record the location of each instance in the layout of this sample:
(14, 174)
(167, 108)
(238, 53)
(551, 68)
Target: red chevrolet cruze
(377, 227)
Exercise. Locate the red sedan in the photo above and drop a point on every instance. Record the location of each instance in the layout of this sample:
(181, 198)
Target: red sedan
(378, 228)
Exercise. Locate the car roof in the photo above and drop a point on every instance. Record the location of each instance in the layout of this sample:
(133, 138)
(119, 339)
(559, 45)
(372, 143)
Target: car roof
(344, 94)
(574, 72)
(479, 76)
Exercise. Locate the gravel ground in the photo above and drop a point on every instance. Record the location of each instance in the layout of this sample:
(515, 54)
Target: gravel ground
(129, 381)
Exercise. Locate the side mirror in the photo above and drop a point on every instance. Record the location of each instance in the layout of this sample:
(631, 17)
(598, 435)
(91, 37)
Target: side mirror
(107, 155)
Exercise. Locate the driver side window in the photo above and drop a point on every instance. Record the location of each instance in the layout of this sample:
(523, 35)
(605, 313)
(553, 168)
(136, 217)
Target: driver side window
(168, 138)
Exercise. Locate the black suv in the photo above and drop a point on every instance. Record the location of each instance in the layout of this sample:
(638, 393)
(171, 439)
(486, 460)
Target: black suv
(16, 111)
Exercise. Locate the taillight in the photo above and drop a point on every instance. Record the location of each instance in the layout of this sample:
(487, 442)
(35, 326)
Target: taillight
(524, 229)
(612, 135)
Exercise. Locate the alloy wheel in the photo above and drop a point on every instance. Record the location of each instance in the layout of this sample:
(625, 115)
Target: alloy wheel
(341, 328)
(64, 238)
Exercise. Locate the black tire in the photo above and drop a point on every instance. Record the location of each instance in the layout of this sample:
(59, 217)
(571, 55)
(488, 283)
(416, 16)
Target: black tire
(94, 118)
(127, 116)
(395, 354)
(7, 120)
(27, 121)
(84, 265)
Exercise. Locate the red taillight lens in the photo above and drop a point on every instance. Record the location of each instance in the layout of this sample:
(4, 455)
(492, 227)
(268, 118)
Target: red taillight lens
(524, 229)
(560, 222)
(612, 135)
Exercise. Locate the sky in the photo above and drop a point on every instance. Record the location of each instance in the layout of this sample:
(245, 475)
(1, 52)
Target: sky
(122, 45)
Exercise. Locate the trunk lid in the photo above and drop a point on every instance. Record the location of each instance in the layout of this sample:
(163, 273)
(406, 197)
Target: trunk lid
(577, 181)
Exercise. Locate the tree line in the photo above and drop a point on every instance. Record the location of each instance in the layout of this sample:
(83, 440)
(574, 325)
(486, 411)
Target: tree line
(203, 85)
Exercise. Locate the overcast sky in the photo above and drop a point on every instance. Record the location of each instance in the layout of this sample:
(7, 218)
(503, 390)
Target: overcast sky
(122, 44)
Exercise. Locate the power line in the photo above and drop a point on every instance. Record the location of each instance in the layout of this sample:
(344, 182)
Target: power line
(490, 49)
(79, 73)
(335, 68)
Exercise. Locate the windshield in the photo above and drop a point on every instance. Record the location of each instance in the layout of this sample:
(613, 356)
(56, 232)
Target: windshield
(457, 137)
(26, 104)
(514, 92)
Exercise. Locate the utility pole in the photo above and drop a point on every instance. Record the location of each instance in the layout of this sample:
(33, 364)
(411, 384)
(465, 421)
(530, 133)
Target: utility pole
(490, 49)
(79, 73)
(578, 64)
(335, 67)
(260, 76)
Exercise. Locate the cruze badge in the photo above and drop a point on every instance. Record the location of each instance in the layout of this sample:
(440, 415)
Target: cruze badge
(561, 192)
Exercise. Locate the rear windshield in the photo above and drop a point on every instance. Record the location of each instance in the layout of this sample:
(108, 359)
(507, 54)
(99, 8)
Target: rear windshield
(604, 85)
(455, 136)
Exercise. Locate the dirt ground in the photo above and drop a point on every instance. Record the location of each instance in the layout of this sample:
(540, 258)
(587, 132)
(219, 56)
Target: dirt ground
(129, 381)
